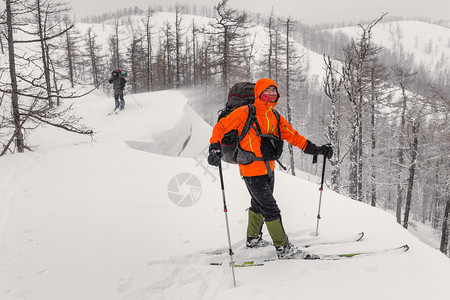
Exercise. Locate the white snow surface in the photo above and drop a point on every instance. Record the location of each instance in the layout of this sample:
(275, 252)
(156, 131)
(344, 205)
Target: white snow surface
(93, 219)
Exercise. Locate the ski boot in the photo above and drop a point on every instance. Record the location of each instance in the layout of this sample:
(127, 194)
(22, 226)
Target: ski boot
(257, 242)
(289, 251)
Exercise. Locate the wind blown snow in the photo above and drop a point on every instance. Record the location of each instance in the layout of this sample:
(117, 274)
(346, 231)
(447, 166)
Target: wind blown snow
(129, 215)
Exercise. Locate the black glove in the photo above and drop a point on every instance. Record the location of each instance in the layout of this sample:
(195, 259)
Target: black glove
(319, 150)
(215, 154)
(326, 150)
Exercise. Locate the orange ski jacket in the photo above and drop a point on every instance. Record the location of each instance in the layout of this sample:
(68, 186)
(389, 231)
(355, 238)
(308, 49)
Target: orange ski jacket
(268, 123)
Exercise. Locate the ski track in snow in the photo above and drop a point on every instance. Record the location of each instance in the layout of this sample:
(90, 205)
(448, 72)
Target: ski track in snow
(11, 187)
(181, 279)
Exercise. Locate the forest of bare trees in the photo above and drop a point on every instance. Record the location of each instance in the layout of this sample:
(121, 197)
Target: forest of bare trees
(385, 116)
(34, 31)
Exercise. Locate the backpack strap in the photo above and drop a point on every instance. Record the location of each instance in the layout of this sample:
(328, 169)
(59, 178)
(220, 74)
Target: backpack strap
(277, 115)
(250, 120)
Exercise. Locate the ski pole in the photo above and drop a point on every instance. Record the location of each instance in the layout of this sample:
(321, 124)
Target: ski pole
(320, 189)
(230, 251)
(134, 99)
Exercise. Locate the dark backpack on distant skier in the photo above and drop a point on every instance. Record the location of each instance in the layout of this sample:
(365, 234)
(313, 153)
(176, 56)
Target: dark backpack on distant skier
(243, 93)
(121, 73)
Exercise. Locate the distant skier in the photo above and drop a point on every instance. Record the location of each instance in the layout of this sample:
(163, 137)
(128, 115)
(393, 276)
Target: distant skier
(118, 83)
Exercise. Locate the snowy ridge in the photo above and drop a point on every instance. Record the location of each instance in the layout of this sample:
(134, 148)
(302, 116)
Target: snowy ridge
(84, 219)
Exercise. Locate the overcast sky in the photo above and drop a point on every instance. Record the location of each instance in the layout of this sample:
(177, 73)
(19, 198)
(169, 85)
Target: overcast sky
(307, 11)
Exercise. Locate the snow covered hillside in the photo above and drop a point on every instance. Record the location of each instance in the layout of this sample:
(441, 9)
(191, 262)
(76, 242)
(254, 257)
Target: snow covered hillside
(257, 34)
(427, 44)
(130, 214)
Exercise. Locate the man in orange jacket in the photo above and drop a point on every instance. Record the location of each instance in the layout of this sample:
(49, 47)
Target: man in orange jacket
(258, 175)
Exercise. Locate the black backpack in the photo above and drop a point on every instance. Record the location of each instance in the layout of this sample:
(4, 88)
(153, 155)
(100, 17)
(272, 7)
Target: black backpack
(242, 93)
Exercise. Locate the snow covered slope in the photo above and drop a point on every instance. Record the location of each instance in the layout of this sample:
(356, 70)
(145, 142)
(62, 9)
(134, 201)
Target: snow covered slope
(128, 215)
(257, 33)
(425, 43)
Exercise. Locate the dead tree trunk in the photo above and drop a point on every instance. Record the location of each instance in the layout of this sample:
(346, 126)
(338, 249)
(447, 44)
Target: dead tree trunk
(20, 144)
(444, 236)
(289, 25)
(42, 24)
(412, 170)
(332, 88)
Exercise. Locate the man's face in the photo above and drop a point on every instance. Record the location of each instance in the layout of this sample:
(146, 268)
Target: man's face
(270, 94)
(115, 74)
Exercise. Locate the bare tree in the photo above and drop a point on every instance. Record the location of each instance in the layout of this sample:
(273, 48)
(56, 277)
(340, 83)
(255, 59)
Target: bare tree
(46, 18)
(93, 50)
(415, 124)
(332, 87)
(71, 48)
(403, 76)
(137, 58)
(354, 73)
(445, 228)
(34, 105)
(169, 46)
(378, 92)
(116, 59)
(271, 26)
(230, 31)
(178, 44)
(149, 56)
(292, 74)
(18, 123)
(249, 57)
(194, 31)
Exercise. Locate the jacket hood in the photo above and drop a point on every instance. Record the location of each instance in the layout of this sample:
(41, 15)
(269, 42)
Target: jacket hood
(260, 86)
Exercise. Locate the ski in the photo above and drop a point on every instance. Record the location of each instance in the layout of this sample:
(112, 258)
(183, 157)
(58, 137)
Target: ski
(115, 111)
(254, 263)
(402, 248)
(310, 243)
(242, 264)
(333, 241)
